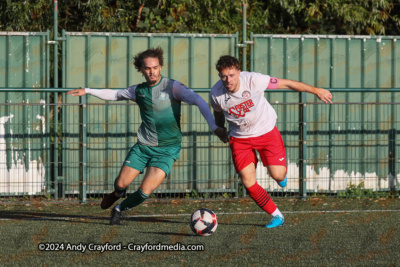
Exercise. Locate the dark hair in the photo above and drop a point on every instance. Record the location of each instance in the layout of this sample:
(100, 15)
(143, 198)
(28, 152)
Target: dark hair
(227, 62)
(152, 52)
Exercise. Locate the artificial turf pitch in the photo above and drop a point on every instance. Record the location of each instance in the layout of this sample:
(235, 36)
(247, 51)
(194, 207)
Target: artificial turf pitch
(318, 232)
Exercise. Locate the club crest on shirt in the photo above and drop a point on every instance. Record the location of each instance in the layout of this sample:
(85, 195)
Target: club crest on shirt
(246, 94)
(163, 96)
(241, 109)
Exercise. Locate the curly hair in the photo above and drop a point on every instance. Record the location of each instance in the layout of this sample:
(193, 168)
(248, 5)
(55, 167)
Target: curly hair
(227, 62)
(138, 60)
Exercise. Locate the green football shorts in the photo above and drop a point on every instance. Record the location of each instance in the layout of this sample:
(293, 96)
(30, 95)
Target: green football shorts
(140, 157)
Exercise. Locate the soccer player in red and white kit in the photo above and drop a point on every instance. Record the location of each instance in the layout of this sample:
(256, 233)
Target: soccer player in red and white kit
(239, 97)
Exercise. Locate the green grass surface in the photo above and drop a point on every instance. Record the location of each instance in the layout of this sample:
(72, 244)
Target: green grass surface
(318, 232)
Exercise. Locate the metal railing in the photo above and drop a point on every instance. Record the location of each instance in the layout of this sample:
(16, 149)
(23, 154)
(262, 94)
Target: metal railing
(75, 150)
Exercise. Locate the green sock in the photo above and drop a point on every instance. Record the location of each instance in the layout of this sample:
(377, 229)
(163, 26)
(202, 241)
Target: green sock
(133, 200)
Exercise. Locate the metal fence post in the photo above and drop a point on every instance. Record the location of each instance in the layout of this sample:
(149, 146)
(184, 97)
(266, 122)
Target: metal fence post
(194, 170)
(57, 181)
(330, 154)
(392, 161)
(55, 149)
(83, 150)
(244, 33)
(302, 147)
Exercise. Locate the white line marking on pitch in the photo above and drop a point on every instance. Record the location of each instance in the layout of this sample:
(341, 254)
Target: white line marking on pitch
(188, 214)
(260, 212)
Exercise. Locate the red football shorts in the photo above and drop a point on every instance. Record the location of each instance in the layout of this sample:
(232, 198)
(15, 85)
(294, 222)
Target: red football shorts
(270, 147)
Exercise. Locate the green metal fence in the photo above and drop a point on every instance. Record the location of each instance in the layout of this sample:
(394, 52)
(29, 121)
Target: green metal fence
(315, 151)
(24, 121)
(55, 144)
(330, 61)
(356, 63)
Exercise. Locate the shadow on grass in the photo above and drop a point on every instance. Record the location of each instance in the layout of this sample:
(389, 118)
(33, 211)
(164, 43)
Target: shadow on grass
(59, 217)
(168, 233)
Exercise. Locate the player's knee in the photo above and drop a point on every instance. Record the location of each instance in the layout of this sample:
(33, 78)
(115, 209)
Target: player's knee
(248, 184)
(247, 181)
(278, 175)
(121, 183)
(278, 178)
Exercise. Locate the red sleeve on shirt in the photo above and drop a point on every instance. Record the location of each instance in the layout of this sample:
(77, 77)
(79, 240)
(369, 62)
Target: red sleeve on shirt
(273, 83)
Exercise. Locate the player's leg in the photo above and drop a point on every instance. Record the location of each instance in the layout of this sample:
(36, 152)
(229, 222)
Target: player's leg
(245, 161)
(160, 164)
(256, 192)
(278, 173)
(248, 175)
(158, 168)
(124, 179)
(273, 155)
(134, 164)
(152, 179)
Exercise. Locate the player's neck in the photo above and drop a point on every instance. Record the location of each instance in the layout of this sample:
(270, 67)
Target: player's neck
(151, 84)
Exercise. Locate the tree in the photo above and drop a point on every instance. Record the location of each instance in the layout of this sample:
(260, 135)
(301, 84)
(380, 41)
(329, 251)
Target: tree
(350, 17)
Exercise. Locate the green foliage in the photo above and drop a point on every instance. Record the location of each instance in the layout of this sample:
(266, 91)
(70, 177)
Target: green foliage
(359, 191)
(330, 16)
(197, 195)
(20, 15)
(207, 16)
(192, 194)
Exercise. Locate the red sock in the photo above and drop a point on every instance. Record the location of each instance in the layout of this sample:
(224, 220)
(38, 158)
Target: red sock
(261, 197)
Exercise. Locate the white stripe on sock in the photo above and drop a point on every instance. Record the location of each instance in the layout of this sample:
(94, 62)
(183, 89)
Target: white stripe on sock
(277, 212)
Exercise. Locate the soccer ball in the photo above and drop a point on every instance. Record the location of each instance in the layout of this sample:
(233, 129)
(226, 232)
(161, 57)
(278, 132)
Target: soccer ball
(203, 222)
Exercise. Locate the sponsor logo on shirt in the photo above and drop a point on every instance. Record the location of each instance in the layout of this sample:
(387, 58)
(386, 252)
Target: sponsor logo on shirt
(227, 99)
(141, 95)
(241, 109)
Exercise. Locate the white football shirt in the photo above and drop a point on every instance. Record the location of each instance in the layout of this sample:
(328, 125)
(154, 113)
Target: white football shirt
(247, 111)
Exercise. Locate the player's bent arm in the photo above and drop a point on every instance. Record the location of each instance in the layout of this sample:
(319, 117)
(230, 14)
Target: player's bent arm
(205, 111)
(323, 94)
(219, 118)
(219, 131)
(220, 121)
(183, 93)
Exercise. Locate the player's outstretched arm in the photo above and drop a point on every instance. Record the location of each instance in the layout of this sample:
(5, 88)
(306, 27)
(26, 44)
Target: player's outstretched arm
(105, 94)
(77, 92)
(323, 94)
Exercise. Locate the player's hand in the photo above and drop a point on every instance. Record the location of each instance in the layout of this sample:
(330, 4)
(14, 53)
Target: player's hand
(77, 92)
(222, 134)
(324, 95)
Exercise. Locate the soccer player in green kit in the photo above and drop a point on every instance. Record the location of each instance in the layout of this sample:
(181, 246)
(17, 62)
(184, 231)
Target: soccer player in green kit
(159, 135)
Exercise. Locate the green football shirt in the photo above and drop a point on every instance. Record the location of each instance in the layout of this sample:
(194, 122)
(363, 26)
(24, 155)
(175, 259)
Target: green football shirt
(160, 110)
